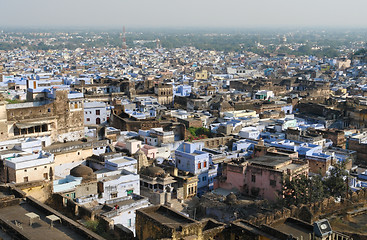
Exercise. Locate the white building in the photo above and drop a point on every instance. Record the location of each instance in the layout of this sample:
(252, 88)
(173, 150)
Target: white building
(264, 95)
(24, 160)
(122, 210)
(25, 167)
(249, 133)
(95, 113)
(118, 179)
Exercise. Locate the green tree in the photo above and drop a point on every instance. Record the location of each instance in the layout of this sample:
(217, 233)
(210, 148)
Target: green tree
(335, 184)
(296, 191)
(317, 191)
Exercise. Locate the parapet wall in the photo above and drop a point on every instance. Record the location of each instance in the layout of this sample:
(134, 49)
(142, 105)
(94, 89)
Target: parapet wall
(83, 231)
(81, 212)
(312, 211)
(215, 142)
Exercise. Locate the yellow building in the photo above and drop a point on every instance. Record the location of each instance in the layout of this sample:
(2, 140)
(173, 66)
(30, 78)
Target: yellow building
(71, 154)
(241, 113)
(203, 75)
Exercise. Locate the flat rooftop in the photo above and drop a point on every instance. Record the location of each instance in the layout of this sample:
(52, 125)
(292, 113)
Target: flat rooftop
(40, 229)
(62, 145)
(167, 216)
(11, 151)
(293, 229)
(248, 227)
(120, 160)
(270, 161)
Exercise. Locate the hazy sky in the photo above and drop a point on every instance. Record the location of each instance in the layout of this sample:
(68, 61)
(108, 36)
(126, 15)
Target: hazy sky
(183, 13)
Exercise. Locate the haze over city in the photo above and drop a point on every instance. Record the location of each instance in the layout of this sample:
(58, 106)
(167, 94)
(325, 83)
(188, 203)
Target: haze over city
(189, 13)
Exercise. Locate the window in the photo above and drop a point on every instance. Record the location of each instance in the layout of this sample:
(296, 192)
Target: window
(273, 183)
(45, 175)
(129, 223)
(87, 188)
(98, 112)
(253, 178)
(88, 119)
(98, 121)
(35, 168)
(25, 170)
(199, 165)
(25, 179)
(45, 166)
(204, 178)
(49, 110)
(205, 164)
(113, 195)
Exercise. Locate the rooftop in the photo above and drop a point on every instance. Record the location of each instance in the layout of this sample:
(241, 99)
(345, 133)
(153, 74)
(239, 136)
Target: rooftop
(166, 216)
(295, 228)
(270, 161)
(40, 229)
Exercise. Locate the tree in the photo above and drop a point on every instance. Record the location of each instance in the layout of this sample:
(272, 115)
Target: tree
(335, 184)
(317, 191)
(296, 191)
(303, 190)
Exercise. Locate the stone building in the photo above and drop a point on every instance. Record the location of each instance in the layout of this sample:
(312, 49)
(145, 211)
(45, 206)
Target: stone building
(160, 222)
(80, 185)
(61, 117)
(142, 160)
(157, 185)
(164, 94)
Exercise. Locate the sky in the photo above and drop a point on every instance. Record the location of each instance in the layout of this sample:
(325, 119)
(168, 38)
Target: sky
(183, 13)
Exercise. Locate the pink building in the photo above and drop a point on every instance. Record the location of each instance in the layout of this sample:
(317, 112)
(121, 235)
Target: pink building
(261, 176)
(150, 151)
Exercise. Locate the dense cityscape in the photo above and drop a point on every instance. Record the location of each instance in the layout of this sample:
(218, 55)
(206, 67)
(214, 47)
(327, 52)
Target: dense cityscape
(178, 134)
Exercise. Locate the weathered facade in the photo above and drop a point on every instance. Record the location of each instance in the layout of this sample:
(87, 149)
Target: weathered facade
(61, 119)
(159, 222)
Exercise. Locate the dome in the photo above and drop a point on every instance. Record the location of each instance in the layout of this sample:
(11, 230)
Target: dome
(231, 198)
(81, 171)
(153, 171)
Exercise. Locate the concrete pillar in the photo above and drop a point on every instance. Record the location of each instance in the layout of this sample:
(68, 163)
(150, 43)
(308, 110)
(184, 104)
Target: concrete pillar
(168, 197)
(76, 211)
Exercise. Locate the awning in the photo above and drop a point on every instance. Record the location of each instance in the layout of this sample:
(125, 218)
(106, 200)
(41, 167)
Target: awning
(29, 125)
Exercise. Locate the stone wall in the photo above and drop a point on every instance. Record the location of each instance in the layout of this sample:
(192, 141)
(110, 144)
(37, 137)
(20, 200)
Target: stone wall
(215, 142)
(361, 150)
(9, 201)
(41, 190)
(312, 211)
(80, 212)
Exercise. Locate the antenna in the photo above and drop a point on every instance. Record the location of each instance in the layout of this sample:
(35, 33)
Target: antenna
(124, 46)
